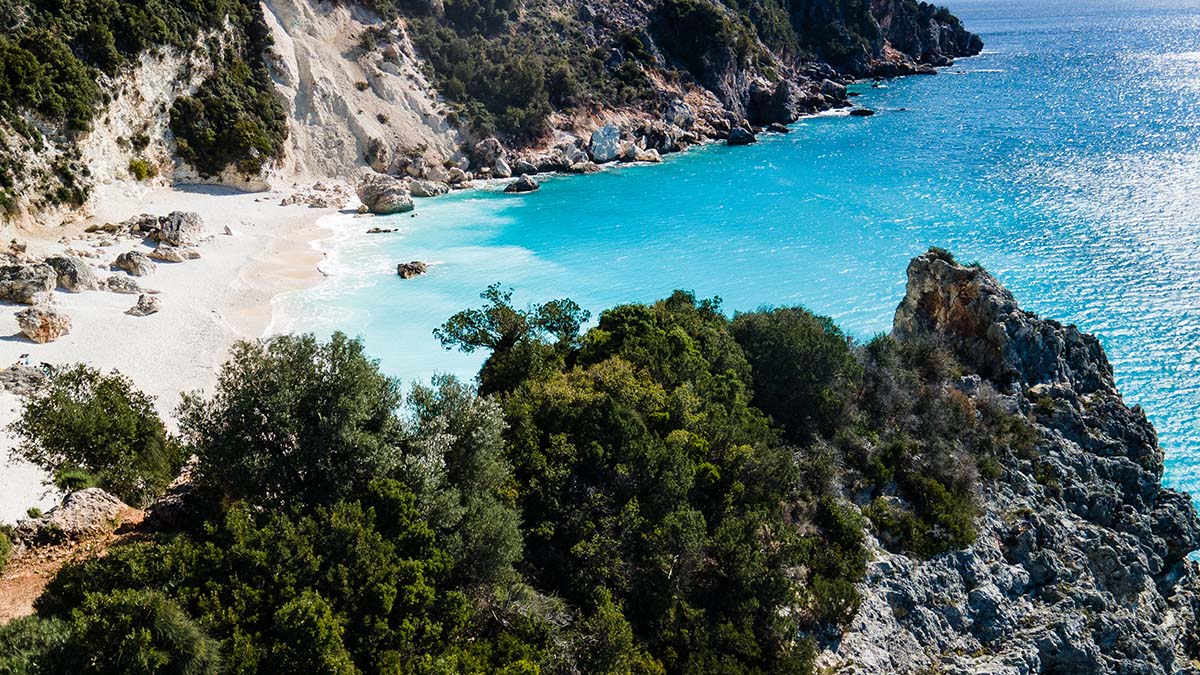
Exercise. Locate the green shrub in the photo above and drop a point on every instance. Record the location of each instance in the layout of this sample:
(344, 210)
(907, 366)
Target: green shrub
(804, 370)
(87, 427)
(235, 119)
(140, 169)
(5, 548)
(295, 422)
(33, 645)
(136, 632)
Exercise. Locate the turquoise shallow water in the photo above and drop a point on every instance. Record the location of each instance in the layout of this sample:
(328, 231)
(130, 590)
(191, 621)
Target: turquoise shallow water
(1066, 159)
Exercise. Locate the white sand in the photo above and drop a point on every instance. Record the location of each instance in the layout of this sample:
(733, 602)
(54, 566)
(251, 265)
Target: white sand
(207, 304)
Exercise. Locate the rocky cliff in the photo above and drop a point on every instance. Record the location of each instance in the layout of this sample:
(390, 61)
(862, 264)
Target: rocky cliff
(252, 94)
(1081, 563)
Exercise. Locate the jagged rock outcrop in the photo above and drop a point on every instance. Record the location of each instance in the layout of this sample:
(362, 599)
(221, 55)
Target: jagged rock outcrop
(1080, 564)
(412, 269)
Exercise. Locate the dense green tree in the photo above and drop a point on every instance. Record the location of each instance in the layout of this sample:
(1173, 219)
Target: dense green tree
(295, 422)
(85, 421)
(517, 339)
(454, 459)
(804, 369)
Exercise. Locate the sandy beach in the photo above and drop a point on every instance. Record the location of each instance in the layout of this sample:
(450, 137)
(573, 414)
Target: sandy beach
(207, 304)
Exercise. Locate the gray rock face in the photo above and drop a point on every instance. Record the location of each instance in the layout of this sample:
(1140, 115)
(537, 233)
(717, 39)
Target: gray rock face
(87, 513)
(606, 143)
(74, 275)
(680, 114)
(146, 305)
(122, 285)
(1080, 564)
(22, 380)
(384, 195)
(43, 323)
(501, 169)
(428, 188)
(522, 184)
(524, 167)
(486, 152)
(739, 136)
(180, 228)
(134, 262)
(22, 284)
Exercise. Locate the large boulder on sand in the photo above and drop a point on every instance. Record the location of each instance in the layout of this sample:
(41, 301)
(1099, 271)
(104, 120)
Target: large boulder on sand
(606, 143)
(22, 283)
(384, 195)
(73, 274)
(43, 323)
(180, 228)
(134, 262)
(87, 513)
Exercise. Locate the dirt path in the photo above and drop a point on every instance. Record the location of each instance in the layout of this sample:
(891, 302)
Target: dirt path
(27, 574)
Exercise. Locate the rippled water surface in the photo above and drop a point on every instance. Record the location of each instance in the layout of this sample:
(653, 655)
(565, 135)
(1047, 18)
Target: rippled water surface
(1066, 159)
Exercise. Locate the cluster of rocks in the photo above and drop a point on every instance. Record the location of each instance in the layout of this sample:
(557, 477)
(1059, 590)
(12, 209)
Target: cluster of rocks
(1081, 560)
(320, 195)
(32, 282)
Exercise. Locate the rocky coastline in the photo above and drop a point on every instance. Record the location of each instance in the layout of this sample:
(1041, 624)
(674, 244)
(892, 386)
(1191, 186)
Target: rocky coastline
(1081, 561)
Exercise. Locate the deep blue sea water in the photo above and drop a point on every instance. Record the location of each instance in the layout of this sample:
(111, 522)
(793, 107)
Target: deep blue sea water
(1066, 159)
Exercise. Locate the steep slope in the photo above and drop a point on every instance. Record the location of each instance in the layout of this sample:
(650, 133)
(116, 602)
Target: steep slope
(1080, 562)
(345, 102)
(248, 94)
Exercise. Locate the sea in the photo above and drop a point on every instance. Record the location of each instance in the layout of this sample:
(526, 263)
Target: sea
(1065, 159)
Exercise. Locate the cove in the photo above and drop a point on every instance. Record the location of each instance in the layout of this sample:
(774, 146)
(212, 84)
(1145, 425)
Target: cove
(1065, 159)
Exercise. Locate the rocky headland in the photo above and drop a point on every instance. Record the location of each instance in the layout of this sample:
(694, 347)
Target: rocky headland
(1081, 560)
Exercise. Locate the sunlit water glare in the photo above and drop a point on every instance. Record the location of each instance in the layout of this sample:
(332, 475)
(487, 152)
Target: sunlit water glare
(1066, 159)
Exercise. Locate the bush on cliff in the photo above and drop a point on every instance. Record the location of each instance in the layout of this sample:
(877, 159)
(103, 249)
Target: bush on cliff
(100, 425)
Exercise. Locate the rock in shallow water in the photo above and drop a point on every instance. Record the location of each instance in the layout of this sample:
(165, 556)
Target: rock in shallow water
(412, 269)
(522, 184)
(740, 136)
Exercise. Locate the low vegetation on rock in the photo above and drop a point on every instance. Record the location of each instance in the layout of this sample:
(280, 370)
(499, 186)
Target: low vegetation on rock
(665, 492)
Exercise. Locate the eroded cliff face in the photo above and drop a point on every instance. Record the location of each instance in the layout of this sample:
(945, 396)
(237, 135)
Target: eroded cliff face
(350, 106)
(1081, 563)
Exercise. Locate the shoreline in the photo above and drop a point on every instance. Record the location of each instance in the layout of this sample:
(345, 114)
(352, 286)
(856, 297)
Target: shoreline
(207, 304)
